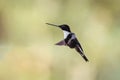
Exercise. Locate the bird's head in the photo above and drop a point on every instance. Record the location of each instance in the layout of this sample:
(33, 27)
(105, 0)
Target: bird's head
(64, 27)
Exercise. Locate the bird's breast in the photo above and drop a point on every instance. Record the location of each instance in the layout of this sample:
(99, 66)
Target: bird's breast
(70, 40)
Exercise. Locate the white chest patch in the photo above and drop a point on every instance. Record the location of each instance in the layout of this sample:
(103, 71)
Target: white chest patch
(66, 33)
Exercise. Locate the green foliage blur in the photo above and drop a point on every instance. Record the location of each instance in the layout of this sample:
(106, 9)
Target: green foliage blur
(27, 50)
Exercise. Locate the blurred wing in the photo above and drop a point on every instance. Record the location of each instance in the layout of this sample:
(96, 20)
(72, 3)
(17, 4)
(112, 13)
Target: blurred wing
(79, 45)
(61, 43)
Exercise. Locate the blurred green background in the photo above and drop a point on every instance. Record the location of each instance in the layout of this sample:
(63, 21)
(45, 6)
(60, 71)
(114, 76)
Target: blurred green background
(27, 50)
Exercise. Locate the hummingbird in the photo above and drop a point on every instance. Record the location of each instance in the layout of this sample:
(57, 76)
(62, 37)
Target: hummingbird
(70, 40)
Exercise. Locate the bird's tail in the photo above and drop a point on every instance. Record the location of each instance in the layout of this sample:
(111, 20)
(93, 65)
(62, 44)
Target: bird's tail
(84, 57)
(78, 49)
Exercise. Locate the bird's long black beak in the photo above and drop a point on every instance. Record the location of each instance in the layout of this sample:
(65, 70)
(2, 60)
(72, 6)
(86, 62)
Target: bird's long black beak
(52, 24)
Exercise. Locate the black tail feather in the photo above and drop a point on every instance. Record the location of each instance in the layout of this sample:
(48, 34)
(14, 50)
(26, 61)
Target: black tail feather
(80, 51)
(85, 58)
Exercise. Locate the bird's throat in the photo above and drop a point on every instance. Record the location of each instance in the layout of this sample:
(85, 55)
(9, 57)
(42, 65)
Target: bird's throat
(66, 33)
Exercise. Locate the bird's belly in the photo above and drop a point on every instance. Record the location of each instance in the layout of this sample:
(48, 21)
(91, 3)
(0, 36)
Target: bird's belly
(72, 44)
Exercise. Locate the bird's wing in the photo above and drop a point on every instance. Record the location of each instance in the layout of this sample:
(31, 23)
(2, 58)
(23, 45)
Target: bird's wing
(80, 51)
(61, 43)
(79, 45)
